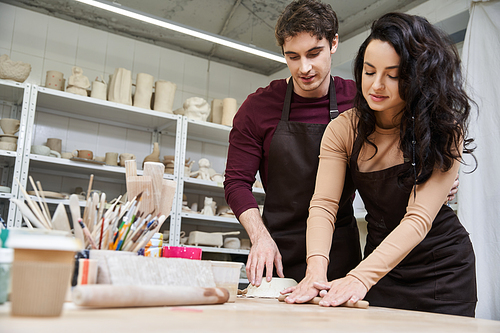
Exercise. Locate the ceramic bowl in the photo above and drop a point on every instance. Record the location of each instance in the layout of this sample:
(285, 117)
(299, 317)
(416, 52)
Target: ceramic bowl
(8, 138)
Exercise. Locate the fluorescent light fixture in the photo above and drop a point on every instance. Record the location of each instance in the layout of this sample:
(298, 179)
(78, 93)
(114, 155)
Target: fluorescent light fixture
(184, 29)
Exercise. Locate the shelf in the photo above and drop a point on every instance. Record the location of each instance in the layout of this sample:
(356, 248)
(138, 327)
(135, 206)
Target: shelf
(4, 195)
(208, 132)
(206, 218)
(50, 100)
(195, 183)
(11, 91)
(8, 153)
(62, 165)
(222, 250)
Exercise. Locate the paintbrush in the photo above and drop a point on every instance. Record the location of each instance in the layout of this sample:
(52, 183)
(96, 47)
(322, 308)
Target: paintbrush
(87, 234)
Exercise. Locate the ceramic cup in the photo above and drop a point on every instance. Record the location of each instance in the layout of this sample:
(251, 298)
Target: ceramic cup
(111, 158)
(98, 90)
(9, 126)
(87, 154)
(125, 157)
(44, 150)
(67, 155)
(54, 144)
(8, 146)
(54, 80)
(100, 158)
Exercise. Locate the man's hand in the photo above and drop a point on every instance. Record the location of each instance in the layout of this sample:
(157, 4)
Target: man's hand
(264, 251)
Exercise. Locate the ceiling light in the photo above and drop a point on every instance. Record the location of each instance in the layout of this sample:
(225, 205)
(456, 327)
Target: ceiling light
(118, 9)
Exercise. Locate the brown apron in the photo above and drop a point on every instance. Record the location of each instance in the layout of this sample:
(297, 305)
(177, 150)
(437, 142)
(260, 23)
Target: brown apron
(292, 168)
(438, 275)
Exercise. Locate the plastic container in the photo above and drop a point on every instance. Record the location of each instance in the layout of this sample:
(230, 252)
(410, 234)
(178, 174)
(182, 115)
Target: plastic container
(6, 258)
(227, 275)
(185, 252)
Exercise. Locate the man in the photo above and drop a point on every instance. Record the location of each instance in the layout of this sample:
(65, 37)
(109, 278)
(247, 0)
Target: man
(277, 131)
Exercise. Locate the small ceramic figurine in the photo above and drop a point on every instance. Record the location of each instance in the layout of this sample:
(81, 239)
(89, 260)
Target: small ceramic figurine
(78, 83)
(209, 208)
(203, 171)
(13, 70)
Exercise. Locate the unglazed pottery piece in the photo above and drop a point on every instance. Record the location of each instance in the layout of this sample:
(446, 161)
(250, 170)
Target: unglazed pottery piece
(164, 96)
(217, 111)
(143, 90)
(120, 87)
(229, 108)
(78, 83)
(270, 289)
(13, 70)
(196, 108)
(54, 80)
(9, 126)
(154, 156)
(54, 144)
(99, 89)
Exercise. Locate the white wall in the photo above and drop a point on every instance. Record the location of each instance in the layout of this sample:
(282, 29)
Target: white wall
(49, 43)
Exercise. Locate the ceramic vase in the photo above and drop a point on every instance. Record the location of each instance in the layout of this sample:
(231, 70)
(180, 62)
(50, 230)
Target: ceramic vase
(217, 111)
(120, 87)
(229, 108)
(164, 96)
(155, 155)
(143, 91)
(98, 90)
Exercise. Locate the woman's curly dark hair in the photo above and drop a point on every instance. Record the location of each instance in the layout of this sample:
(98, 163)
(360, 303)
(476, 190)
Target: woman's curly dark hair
(431, 84)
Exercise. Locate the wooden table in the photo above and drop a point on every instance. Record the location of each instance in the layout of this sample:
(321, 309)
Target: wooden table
(245, 315)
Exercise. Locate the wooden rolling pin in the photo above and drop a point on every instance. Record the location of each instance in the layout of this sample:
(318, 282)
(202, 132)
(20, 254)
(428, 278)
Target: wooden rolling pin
(116, 296)
(359, 304)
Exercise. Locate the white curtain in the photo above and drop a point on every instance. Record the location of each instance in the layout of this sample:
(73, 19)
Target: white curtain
(479, 192)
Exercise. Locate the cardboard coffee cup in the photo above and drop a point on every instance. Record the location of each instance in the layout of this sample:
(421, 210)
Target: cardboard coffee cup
(41, 272)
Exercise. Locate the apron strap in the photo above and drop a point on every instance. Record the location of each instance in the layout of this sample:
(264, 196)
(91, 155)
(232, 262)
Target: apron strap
(334, 110)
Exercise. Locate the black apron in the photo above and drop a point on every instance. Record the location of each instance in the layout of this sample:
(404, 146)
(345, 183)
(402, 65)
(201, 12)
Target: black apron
(438, 275)
(292, 168)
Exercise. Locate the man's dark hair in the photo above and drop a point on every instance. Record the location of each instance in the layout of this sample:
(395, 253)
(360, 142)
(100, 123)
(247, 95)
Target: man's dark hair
(311, 16)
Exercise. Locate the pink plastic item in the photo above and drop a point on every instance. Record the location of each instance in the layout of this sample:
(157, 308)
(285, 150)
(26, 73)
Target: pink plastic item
(182, 252)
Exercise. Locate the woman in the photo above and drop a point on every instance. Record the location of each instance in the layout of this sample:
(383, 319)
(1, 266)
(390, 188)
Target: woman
(402, 143)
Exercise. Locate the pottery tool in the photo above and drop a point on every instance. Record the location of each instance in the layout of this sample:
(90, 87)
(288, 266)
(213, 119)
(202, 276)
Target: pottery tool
(45, 213)
(361, 304)
(156, 171)
(102, 204)
(137, 184)
(28, 214)
(43, 195)
(60, 219)
(167, 196)
(74, 206)
(90, 185)
(111, 296)
(87, 234)
(32, 205)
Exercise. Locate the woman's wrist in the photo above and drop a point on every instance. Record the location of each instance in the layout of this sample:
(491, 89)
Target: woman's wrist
(317, 265)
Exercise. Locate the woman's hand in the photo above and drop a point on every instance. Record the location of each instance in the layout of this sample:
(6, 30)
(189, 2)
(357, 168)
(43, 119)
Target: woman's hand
(337, 292)
(305, 290)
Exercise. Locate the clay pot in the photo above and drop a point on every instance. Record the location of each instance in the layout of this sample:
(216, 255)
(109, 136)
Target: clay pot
(125, 157)
(54, 80)
(217, 111)
(120, 87)
(111, 158)
(229, 108)
(10, 126)
(143, 91)
(8, 146)
(54, 144)
(164, 96)
(87, 154)
(98, 90)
